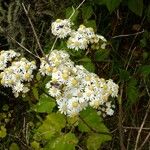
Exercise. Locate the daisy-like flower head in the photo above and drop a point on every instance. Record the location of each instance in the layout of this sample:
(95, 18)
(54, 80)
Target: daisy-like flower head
(77, 41)
(112, 88)
(87, 32)
(16, 74)
(7, 56)
(61, 28)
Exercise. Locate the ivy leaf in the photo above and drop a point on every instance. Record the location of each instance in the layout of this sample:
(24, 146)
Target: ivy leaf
(45, 104)
(95, 140)
(64, 142)
(93, 120)
(87, 12)
(132, 92)
(136, 6)
(52, 125)
(112, 4)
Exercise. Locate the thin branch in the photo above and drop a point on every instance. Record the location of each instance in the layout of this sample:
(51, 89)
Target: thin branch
(33, 29)
(130, 58)
(146, 139)
(121, 135)
(127, 35)
(23, 47)
(146, 114)
(74, 10)
(135, 128)
(19, 139)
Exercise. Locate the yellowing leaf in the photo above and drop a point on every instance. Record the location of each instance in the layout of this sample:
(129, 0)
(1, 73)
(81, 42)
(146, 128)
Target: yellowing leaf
(64, 142)
(52, 125)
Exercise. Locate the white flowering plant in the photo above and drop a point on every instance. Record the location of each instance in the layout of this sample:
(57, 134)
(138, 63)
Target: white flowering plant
(71, 94)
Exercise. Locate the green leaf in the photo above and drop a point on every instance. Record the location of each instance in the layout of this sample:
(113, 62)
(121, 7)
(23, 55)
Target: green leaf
(93, 120)
(14, 146)
(87, 63)
(145, 70)
(64, 142)
(3, 132)
(52, 125)
(101, 55)
(89, 66)
(35, 145)
(132, 92)
(95, 140)
(90, 23)
(35, 92)
(124, 75)
(87, 12)
(112, 4)
(99, 2)
(45, 104)
(38, 76)
(5, 107)
(136, 6)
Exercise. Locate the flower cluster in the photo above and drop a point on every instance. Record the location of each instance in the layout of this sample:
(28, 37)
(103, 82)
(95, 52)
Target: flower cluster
(61, 28)
(7, 56)
(75, 88)
(79, 39)
(15, 75)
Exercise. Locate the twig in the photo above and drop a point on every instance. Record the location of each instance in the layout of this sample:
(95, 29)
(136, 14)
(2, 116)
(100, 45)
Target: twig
(92, 129)
(23, 47)
(33, 29)
(130, 58)
(52, 48)
(127, 35)
(129, 139)
(146, 114)
(18, 138)
(120, 118)
(135, 128)
(74, 10)
(146, 139)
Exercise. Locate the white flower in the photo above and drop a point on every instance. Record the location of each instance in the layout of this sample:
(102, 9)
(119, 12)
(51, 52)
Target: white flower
(77, 41)
(87, 32)
(18, 87)
(54, 92)
(7, 56)
(112, 88)
(109, 111)
(61, 28)
(16, 74)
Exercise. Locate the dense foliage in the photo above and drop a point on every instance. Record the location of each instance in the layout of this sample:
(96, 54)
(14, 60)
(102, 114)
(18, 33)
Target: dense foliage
(32, 121)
